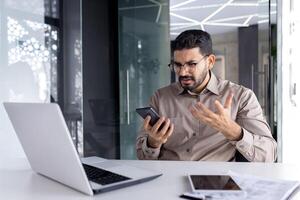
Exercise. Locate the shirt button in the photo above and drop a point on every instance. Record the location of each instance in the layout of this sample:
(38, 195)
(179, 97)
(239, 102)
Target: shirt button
(188, 150)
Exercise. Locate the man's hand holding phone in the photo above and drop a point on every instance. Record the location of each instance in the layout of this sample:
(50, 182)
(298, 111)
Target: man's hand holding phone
(159, 129)
(159, 133)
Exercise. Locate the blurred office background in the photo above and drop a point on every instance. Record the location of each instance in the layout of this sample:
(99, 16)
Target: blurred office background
(100, 60)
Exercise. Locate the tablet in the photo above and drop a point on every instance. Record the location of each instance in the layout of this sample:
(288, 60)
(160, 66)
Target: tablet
(214, 184)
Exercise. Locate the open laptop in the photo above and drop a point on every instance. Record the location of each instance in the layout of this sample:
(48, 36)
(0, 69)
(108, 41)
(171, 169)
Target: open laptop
(47, 143)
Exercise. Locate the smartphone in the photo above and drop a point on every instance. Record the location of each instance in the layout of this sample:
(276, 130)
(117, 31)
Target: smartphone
(144, 112)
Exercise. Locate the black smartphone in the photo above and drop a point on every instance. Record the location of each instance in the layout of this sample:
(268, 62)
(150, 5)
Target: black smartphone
(144, 112)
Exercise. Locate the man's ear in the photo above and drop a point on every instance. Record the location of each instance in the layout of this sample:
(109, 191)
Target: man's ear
(211, 61)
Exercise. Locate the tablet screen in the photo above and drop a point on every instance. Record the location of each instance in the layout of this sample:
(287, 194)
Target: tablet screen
(214, 182)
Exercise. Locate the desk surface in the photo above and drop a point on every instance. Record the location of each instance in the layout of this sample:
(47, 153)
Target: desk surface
(18, 181)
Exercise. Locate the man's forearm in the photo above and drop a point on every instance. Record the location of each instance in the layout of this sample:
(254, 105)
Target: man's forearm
(144, 152)
(256, 148)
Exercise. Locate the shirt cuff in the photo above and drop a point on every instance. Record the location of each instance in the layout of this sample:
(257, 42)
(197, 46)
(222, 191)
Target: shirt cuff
(148, 151)
(245, 144)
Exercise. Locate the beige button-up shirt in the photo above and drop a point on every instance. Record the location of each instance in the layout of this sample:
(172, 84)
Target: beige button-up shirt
(193, 140)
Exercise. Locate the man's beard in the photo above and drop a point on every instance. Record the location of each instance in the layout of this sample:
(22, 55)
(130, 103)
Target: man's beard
(196, 83)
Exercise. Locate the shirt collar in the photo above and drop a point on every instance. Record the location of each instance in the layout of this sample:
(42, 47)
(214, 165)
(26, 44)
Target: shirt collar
(211, 86)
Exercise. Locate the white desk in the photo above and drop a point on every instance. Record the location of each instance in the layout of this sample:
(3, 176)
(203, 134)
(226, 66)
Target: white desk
(18, 181)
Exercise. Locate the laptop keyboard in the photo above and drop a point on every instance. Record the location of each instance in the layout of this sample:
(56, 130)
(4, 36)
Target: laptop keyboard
(101, 176)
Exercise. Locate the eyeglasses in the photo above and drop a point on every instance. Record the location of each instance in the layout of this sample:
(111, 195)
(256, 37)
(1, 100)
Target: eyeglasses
(191, 66)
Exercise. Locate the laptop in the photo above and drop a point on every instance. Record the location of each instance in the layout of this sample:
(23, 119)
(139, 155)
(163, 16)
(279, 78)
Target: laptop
(47, 143)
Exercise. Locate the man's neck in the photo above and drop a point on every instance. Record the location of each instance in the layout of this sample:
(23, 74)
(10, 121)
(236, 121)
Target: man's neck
(201, 87)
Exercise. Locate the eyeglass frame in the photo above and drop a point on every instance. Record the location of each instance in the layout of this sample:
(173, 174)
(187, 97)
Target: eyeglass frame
(190, 68)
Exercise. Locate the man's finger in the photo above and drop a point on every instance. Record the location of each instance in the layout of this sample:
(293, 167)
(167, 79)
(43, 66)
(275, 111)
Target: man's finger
(228, 101)
(165, 127)
(219, 107)
(168, 134)
(158, 124)
(206, 112)
(200, 112)
(196, 112)
(146, 123)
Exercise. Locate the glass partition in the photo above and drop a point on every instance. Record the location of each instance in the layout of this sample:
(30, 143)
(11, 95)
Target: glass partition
(32, 65)
(27, 50)
(144, 54)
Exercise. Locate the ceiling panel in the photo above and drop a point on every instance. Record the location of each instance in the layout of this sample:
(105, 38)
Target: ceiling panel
(197, 14)
(190, 3)
(217, 16)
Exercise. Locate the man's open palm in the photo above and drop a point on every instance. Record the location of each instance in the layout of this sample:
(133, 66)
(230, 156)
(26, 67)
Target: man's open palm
(221, 120)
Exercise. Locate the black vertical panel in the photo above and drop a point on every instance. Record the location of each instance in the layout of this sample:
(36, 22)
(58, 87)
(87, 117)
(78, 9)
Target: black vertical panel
(114, 63)
(60, 57)
(272, 75)
(248, 57)
(100, 79)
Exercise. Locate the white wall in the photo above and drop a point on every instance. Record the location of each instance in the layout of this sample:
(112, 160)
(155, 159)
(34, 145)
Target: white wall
(290, 107)
(24, 63)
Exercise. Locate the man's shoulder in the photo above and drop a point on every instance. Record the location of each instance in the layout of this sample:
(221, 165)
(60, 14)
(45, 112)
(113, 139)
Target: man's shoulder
(225, 85)
(163, 96)
(170, 89)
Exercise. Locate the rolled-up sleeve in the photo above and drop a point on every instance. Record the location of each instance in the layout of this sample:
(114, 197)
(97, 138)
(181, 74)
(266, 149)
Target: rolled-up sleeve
(144, 152)
(257, 143)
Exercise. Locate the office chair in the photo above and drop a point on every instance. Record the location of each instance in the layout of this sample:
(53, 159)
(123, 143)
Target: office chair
(239, 157)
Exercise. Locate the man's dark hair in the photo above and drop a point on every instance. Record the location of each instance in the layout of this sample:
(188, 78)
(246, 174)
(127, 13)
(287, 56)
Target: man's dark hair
(191, 39)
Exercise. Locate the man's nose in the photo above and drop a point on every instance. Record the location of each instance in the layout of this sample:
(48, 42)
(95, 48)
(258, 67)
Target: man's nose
(183, 71)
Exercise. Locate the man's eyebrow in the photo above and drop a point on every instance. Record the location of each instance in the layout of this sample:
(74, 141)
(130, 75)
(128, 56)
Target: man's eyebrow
(176, 62)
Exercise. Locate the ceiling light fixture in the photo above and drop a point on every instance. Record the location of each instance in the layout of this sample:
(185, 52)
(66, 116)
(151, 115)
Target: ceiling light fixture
(217, 11)
(225, 24)
(181, 4)
(185, 18)
(159, 9)
(246, 22)
(263, 21)
(196, 7)
(233, 18)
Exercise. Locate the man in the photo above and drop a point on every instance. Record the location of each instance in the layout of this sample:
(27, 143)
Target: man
(203, 117)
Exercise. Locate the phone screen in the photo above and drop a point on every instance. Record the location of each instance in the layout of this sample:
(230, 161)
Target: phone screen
(214, 182)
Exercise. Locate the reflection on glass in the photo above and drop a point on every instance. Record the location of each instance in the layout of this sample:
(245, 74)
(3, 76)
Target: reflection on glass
(144, 54)
(26, 45)
(25, 56)
(51, 8)
(23, 7)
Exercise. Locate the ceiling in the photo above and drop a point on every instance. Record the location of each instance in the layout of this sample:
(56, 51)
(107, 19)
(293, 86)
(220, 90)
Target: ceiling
(218, 16)
(213, 16)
